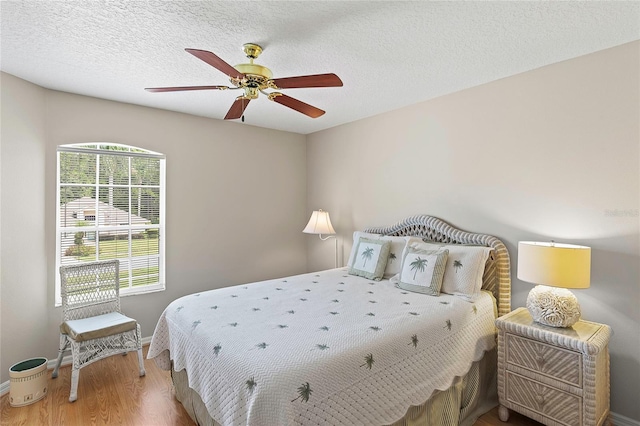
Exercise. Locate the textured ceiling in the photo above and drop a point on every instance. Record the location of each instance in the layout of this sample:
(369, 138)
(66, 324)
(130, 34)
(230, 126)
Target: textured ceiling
(389, 54)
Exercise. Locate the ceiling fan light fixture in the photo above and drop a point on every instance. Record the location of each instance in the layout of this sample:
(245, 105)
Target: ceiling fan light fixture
(251, 93)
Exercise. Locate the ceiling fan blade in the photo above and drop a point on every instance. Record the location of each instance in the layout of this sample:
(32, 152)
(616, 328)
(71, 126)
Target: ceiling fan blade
(295, 104)
(237, 109)
(216, 62)
(316, 80)
(179, 89)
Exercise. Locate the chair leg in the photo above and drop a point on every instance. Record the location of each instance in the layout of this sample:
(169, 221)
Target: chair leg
(75, 375)
(141, 363)
(63, 345)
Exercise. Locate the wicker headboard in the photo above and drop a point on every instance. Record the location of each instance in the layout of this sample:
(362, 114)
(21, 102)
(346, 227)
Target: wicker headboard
(497, 273)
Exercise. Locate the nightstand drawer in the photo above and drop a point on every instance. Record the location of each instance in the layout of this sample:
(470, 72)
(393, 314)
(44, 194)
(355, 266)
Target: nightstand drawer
(557, 363)
(557, 405)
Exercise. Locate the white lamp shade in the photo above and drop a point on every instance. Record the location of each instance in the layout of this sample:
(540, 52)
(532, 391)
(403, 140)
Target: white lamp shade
(320, 223)
(552, 264)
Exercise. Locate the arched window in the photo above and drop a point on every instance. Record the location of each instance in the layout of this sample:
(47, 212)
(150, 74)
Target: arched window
(110, 205)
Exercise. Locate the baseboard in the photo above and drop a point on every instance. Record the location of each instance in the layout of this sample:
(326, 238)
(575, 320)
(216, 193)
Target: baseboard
(620, 420)
(4, 387)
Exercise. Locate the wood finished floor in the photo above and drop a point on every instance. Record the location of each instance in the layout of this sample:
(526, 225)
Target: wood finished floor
(111, 393)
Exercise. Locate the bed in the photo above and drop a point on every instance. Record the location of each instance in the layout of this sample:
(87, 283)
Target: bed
(334, 348)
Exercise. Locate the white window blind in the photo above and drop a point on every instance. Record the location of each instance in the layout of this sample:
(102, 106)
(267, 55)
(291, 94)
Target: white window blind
(110, 205)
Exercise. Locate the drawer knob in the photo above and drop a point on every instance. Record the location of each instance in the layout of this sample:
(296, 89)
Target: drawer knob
(540, 359)
(540, 399)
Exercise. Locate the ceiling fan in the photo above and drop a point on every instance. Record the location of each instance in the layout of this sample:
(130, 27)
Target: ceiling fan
(254, 79)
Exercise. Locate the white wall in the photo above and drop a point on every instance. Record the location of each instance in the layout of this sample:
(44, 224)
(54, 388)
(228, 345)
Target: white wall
(236, 202)
(548, 154)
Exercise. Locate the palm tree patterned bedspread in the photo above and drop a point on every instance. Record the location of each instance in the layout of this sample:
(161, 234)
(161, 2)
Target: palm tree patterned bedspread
(320, 348)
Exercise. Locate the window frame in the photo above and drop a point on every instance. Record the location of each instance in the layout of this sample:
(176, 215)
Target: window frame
(95, 148)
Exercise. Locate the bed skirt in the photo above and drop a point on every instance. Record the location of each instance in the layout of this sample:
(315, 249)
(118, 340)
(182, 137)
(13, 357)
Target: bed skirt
(466, 399)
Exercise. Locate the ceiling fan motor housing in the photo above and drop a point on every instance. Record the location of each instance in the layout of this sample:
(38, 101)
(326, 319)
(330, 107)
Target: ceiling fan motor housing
(254, 70)
(256, 76)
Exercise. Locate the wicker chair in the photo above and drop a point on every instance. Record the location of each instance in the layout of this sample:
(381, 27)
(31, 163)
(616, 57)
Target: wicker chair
(92, 324)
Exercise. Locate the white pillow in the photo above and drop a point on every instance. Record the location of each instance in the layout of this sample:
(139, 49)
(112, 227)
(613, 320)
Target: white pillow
(422, 270)
(464, 270)
(371, 258)
(394, 261)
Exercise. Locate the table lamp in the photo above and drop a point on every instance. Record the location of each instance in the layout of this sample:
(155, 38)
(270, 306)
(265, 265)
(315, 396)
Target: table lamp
(319, 224)
(555, 268)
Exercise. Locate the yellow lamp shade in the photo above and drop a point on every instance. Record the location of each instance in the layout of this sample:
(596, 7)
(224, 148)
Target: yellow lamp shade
(552, 264)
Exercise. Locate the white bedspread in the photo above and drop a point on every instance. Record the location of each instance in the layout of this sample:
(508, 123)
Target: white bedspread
(321, 348)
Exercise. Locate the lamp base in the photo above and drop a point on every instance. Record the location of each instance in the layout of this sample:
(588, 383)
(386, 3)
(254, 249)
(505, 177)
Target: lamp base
(552, 306)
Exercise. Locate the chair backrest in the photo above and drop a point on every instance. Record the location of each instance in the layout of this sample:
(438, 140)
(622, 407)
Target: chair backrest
(90, 289)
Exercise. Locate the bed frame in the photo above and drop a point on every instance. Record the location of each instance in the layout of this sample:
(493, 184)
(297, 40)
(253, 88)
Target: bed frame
(497, 273)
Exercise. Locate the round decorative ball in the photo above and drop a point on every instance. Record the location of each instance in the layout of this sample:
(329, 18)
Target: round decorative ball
(552, 306)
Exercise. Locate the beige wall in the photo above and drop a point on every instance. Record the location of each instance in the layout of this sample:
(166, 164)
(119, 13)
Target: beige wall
(236, 204)
(24, 307)
(548, 154)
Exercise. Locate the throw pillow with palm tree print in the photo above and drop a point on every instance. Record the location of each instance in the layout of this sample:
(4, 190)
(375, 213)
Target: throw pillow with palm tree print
(422, 270)
(394, 260)
(371, 258)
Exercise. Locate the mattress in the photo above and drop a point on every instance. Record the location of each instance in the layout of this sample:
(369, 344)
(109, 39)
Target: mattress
(321, 348)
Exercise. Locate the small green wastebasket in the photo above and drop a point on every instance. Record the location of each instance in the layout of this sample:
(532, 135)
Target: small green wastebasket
(27, 381)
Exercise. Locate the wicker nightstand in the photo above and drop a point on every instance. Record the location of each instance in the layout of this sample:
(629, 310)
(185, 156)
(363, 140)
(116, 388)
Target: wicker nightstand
(557, 376)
